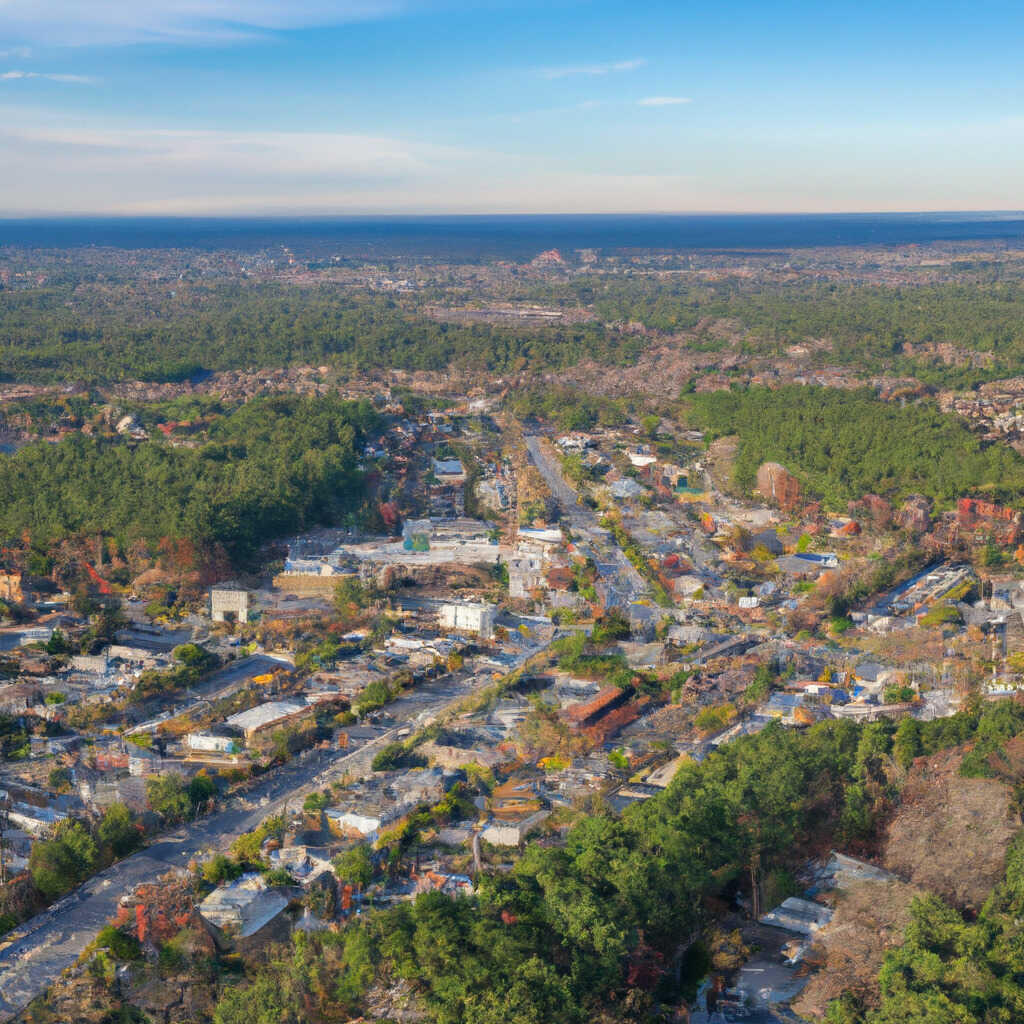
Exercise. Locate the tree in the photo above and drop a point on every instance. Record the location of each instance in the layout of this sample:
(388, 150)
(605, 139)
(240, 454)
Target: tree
(201, 790)
(220, 869)
(262, 1002)
(58, 644)
(168, 796)
(649, 424)
(59, 864)
(355, 866)
(351, 594)
(118, 831)
(906, 744)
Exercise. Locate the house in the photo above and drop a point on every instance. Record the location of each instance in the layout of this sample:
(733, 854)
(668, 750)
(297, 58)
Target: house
(800, 566)
(641, 455)
(783, 706)
(302, 862)
(626, 488)
(539, 540)
(243, 908)
(363, 815)
(208, 742)
(797, 915)
(513, 832)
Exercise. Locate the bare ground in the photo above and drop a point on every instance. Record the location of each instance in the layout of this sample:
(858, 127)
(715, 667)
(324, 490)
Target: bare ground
(950, 834)
(870, 918)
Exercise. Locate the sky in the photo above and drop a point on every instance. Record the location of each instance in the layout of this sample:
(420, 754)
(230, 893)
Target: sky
(237, 107)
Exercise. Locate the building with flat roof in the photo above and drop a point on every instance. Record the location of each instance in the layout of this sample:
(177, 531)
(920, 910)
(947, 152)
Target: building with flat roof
(468, 617)
(263, 716)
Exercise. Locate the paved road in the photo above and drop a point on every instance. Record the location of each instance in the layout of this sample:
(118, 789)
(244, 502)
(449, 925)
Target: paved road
(53, 940)
(625, 585)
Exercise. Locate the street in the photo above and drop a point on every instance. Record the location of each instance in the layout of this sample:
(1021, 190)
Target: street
(625, 585)
(53, 940)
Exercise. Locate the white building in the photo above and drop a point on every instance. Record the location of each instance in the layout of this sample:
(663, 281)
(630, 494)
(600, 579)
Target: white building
(264, 715)
(209, 743)
(468, 617)
(525, 573)
(512, 833)
(244, 906)
(229, 604)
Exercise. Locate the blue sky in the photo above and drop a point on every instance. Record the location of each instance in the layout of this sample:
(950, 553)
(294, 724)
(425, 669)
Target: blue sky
(336, 106)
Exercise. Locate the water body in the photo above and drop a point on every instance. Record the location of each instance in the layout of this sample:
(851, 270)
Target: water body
(515, 237)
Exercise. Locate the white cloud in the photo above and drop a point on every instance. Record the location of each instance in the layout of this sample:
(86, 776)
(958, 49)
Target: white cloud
(52, 163)
(10, 76)
(594, 69)
(663, 101)
(84, 22)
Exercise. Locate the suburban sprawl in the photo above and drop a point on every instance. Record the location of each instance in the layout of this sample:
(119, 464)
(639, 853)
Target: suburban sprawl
(604, 635)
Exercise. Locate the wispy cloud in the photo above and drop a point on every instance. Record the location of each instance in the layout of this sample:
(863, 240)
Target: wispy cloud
(86, 22)
(663, 101)
(593, 69)
(10, 76)
(19, 52)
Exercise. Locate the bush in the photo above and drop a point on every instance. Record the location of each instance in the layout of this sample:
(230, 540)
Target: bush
(123, 947)
(712, 719)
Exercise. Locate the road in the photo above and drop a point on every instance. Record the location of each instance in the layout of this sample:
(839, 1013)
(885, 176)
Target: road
(625, 585)
(52, 941)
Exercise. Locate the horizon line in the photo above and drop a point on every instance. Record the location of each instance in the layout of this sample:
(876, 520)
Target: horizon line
(10, 216)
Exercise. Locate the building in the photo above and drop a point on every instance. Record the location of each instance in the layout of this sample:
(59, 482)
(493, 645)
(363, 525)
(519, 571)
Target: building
(243, 907)
(448, 471)
(265, 716)
(229, 604)
(468, 617)
(209, 743)
(36, 821)
(512, 833)
(525, 574)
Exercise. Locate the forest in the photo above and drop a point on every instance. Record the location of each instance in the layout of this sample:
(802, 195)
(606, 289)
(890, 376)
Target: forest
(54, 334)
(844, 444)
(64, 331)
(268, 468)
(569, 931)
(871, 328)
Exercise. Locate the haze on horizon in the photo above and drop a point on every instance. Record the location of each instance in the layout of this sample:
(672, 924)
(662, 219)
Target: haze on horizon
(428, 106)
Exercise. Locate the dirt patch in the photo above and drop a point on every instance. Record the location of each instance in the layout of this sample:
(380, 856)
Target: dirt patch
(870, 918)
(950, 834)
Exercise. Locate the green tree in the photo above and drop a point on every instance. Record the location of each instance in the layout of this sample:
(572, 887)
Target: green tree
(168, 797)
(59, 864)
(118, 830)
(355, 866)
